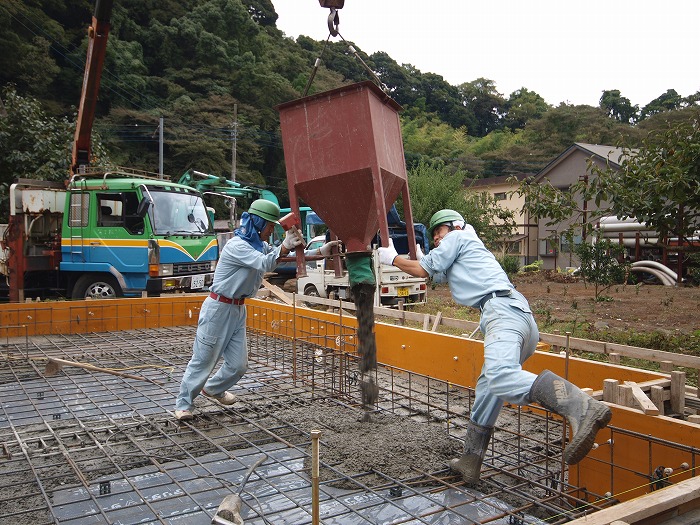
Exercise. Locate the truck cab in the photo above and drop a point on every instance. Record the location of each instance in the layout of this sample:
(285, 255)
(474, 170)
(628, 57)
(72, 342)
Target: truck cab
(127, 235)
(393, 285)
(108, 234)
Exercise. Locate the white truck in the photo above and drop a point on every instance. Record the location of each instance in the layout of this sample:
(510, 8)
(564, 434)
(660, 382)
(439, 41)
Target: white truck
(393, 285)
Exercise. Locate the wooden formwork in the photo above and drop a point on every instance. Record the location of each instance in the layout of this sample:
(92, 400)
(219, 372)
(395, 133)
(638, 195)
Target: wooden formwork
(624, 464)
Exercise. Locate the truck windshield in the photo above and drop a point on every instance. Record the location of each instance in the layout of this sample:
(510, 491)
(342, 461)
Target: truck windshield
(175, 213)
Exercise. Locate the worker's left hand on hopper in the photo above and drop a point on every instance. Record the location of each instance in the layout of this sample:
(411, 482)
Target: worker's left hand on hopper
(325, 250)
(388, 254)
(419, 252)
(291, 240)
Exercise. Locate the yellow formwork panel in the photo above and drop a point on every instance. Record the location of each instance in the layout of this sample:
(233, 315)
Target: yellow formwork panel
(75, 317)
(632, 448)
(629, 459)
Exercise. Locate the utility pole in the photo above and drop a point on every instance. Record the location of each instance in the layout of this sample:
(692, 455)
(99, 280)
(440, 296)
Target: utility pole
(234, 140)
(160, 148)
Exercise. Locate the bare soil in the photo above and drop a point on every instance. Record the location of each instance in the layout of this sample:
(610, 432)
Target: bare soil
(567, 303)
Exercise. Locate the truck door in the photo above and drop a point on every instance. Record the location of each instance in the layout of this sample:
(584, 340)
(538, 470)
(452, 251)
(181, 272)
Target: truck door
(118, 238)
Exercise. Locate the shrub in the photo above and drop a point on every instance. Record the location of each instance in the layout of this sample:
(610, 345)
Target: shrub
(510, 264)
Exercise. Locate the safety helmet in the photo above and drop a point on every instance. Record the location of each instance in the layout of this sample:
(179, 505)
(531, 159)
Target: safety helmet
(268, 210)
(443, 217)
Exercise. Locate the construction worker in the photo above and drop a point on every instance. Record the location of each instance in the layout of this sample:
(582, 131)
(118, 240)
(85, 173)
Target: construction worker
(510, 336)
(221, 330)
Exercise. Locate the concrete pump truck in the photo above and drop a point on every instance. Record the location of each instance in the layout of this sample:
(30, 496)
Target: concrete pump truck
(104, 233)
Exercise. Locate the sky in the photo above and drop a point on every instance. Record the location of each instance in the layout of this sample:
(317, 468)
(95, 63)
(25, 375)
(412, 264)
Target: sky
(564, 51)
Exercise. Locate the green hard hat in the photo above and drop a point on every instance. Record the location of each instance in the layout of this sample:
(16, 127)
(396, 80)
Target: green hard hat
(442, 217)
(268, 210)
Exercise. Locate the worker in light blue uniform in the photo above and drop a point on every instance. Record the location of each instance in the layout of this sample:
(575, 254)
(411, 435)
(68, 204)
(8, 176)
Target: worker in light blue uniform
(510, 336)
(221, 328)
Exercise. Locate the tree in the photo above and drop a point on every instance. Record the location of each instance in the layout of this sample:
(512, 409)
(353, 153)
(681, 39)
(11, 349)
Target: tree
(34, 145)
(434, 188)
(618, 107)
(481, 98)
(659, 183)
(522, 106)
(599, 265)
(666, 102)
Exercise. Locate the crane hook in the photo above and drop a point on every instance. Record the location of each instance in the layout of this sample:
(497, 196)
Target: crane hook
(333, 22)
(333, 19)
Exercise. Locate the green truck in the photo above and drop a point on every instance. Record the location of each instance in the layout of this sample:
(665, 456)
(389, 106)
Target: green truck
(107, 234)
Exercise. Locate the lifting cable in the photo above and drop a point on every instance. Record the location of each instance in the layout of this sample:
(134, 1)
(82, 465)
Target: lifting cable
(333, 24)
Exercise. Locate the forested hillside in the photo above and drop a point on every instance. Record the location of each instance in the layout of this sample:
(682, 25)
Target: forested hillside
(192, 62)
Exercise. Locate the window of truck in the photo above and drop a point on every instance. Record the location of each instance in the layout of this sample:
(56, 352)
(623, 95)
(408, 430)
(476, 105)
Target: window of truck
(178, 213)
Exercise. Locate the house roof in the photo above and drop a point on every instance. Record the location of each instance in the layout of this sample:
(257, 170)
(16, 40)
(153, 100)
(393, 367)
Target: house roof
(611, 154)
(492, 181)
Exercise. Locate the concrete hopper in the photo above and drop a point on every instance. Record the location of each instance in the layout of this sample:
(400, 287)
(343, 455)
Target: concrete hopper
(345, 159)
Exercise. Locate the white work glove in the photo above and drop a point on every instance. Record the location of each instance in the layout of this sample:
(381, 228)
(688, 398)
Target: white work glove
(291, 240)
(388, 254)
(419, 252)
(325, 250)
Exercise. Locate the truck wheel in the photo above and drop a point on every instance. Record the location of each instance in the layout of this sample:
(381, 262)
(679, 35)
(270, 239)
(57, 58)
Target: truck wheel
(96, 286)
(311, 291)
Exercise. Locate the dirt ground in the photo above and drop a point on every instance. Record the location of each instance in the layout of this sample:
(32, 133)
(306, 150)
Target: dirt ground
(567, 303)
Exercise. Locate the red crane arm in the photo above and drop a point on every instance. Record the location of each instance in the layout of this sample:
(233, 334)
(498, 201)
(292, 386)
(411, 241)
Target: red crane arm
(97, 44)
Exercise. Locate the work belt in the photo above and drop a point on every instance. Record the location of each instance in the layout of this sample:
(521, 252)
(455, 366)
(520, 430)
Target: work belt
(500, 293)
(226, 300)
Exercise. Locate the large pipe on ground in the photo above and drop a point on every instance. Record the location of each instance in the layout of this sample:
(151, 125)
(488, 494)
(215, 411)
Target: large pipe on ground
(661, 276)
(657, 265)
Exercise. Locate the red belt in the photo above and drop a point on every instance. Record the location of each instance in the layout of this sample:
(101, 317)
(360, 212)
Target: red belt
(226, 300)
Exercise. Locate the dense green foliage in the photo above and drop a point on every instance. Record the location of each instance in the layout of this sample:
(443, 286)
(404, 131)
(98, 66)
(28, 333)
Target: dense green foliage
(433, 187)
(192, 62)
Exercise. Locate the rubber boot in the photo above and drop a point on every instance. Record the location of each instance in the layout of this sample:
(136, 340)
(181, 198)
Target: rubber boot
(475, 443)
(585, 414)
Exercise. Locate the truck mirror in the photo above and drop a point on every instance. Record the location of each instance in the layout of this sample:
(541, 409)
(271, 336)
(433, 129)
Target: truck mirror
(143, 207)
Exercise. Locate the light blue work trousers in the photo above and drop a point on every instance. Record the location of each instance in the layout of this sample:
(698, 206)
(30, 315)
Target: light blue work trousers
(220, 332)
(510, 337)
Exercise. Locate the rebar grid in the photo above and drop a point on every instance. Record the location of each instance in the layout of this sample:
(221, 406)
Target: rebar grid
(84, 447)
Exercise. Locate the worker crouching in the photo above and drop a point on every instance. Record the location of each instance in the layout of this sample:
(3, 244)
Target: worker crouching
(510, 337)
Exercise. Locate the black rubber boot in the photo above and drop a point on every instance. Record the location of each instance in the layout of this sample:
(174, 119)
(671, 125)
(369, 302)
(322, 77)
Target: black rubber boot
(475, 443)
(585, 414)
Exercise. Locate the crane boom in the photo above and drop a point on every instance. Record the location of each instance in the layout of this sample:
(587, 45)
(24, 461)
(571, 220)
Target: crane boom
(97, 45)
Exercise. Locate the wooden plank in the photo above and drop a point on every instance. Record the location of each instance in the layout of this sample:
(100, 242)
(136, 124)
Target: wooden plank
(645, 508)
(277, 292)
(426, 321)
(625, 396)
(610, 390)
(614, 358)
(657, 397)
(642, 400)
(678, 392)
(583, 345)
(438, 317)
(666, 366)
(689, 361)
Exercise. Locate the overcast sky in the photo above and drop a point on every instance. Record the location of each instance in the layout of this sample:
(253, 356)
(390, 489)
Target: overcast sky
(565, 51)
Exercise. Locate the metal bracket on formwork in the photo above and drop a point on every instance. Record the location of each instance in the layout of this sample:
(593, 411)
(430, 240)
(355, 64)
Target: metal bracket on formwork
(659, 478)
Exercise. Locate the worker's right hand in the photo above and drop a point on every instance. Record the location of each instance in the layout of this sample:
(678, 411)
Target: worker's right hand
(291, 240)
(388, 254)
